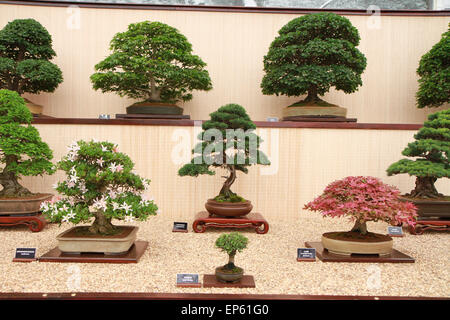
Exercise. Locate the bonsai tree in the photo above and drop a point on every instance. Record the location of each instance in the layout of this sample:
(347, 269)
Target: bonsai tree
(363, 199)
(227, 141)
(22, 151)
(100, 183)
(231, 244)
(25, 54)
(311, 54)
(153, 62)
(432, 148)
(434, 72)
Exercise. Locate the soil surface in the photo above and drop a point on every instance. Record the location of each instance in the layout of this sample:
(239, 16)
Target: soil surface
(357, 237)
(232, 271)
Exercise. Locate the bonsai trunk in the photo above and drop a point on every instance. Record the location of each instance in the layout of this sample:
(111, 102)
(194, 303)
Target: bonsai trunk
(230, 265)
(9, 181)
(102, 224)
(425, 188)
(226, 191)
(155, 94)
(360, 227)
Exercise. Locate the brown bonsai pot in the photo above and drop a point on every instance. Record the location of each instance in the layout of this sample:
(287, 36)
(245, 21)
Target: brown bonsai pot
(346, 243)
(439, 207)
(155, 108)
(228, 209)
(229, 276)
(23, 205)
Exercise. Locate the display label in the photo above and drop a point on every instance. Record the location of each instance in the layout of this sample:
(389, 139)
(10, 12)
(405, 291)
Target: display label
(306, 254)
(187, 278)
(395, 231)
(25, 253)
(180, 226)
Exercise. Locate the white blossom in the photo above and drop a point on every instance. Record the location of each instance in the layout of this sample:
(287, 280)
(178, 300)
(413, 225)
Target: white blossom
(129, 218)
(100, 204)
(126, 207)
(100, 162)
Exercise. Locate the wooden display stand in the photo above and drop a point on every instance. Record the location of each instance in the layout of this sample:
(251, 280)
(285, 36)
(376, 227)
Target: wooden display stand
(34, 221)
(254, 220)
(152, 116)
(423, 224)
(319, 119)
(210, 281)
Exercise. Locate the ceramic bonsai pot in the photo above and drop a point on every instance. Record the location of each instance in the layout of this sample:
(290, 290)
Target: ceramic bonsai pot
(229, 276)
(346, 243)
(24, 205)
(228, 209)
(77, 240)
(154, 108)
(431, 207)
(314, 111)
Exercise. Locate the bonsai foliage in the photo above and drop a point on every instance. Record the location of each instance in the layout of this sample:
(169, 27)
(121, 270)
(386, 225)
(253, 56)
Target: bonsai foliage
(227, 141)
(22, 151)
(231, 243)
(364, 199)
(25, 51)
(100, 183)
(432, 148)
(434, 72)
(151, 61)
(311, 54)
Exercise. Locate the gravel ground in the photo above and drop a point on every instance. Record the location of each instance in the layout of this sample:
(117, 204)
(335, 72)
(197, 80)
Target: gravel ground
(270, 258)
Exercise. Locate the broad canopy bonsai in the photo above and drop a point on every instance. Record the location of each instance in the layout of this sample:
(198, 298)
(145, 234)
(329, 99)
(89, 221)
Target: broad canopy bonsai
(231, 244)
(311, 54)
(25, 54)
(228, 141)
(153, 62)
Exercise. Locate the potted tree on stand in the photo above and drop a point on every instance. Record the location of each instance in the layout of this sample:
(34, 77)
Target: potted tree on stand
(153, 62)
(23, 153)
(312, 54)
(231, 244)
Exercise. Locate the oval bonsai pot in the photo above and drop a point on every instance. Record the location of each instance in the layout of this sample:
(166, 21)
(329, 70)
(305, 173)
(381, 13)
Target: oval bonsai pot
(228, 209)
(155, 108)
(229, 276)
(429, 208)
(314, 110)
(346, 243)
(23, 205)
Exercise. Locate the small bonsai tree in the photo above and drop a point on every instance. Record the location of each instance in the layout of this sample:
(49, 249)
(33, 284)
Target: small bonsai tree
(434, 72)
(21, 149)
(312, 54)
(25, 51)
(432, 148)
(363, 199)
(228, 141)
(231, 243)
(153, 62)
(100, 183)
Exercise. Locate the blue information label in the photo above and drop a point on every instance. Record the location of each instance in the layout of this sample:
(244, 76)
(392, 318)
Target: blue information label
(395, 231)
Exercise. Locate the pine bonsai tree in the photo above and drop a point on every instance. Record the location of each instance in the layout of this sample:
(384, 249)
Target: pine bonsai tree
(25, 54)
(228, 141)
(100, 183)
(153, 62)
(312, 54)
(21, 149)
(434, 72)
(231, 244)
(432, 147)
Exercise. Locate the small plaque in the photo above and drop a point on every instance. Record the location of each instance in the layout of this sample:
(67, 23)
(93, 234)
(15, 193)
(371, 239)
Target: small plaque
(395, 231)
(306, 254)
(180, 227)
(188, 280)
(272, 119)
(25, 255)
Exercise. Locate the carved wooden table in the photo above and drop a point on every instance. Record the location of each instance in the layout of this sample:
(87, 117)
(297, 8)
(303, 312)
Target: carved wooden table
(254, 220)
(34, 221)
(429, 223)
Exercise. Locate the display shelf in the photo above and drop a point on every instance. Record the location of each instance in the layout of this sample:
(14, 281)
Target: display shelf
(255, 220)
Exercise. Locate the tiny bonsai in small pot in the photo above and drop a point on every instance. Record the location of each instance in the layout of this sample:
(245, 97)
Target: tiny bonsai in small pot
(311, 54)
(23, 153)
(228, 141)
(230, 243)
(363, 199)
(25, 54)
(100, 184)
(152, 62)
(432, 149)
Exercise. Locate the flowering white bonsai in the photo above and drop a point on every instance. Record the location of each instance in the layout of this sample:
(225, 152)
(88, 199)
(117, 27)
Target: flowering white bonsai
(100, 183)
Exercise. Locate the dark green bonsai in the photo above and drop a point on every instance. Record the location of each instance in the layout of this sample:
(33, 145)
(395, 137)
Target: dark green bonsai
(231, 243)
(432, 147)
(228, 141)
(434, 72)
(25, 51)
(21, 149)
(151, 61)
(312, 54)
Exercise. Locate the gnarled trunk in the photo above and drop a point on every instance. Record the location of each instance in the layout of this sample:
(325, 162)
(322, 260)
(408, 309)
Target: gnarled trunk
(360, 227)
(226, 188)
(155, 94)
(230, 265)
(312, 95)
(9, 181)
(425, 188)
(102, 224)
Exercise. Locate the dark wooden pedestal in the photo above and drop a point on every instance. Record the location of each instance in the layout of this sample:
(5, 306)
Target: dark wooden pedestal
(319, 119)
(210, 281)
(132, 256)
(254, 220)
(325, 256)
(430, 223)
(35, 222)
(152, 116)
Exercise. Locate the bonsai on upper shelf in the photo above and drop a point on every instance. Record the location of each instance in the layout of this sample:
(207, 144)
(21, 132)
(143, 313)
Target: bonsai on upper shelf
(153, 62)
(312, 54)
(362, 199)
(434, 72)
(432, 149)
(230, 243)
(228, 142)
(25, 54)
